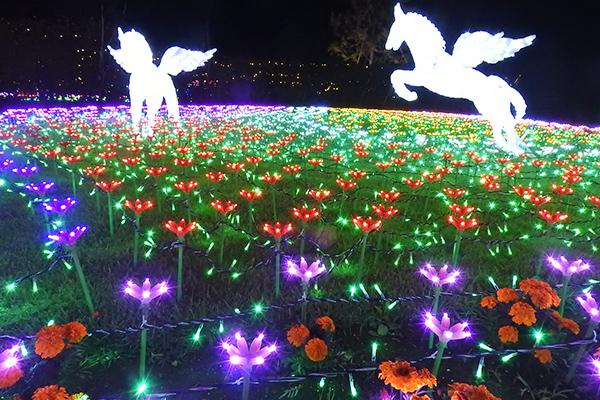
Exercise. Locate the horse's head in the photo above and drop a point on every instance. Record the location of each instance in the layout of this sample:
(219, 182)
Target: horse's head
(134, 54)
(397, 34)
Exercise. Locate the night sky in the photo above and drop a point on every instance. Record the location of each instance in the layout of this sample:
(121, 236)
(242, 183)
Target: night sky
(558, 75)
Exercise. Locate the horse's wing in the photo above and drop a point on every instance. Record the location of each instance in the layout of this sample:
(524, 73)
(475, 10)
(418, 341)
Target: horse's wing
(471, 49)
(177, 59)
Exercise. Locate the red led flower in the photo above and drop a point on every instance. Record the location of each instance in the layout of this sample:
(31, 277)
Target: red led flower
(562, 190)
(277, 230)
(388, 196)
(132, 161)
(109, 186)
(223, 207)
(461, 223)
(412, 183)
(523, 192)
(215, 176)
(251, 195)
(367, 224)
(183, 162)
(552, 217)
(306, 214)
(205, 154)
(94, 171)
(595, 200)
(538, 163)
(319, 194)
(180, 228)
(186, 187)
(539, 200)
(315, 161)
(271, 179)
(490, 182)
(235, 167)
(357, 174)
(138, 206)
(431, 177)
(383, 166)
(292, 169)
(156, 171)
(453, 193)
(253, 159)
(461, 211)
(336, 157)
(156, 154)
(345, 184)
(383, 211)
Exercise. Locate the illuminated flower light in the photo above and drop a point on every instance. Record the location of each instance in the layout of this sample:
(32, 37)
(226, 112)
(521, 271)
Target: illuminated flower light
(25, 171)
(444, 331)
(453, 193)
(439, 277)
(292, 169)
(305, 214)
(271, 179)
(132, 161)
(6, 163)
(567, 267)
(215, 176)
(461, 211)
(40, 189)
(368, 224)
(183, 162)
(383, 211)
(277, 230)
(109, 186)
(186, 187)
(319, 194)
(345, 184)
(244, 356)
(145, 293)
(552, 217)
(156, 171)
(590, 306)
(413, 184)
(461, 223)
(357, 174)
(94, 171)
(68, 238)
(139, 206)
(540, 200)
(562, 190)
(388, 196)
(251, 195)
(304, 271)
(223, 207)
(523, 192)
(595, 200)
(59, 206)
(10, 371)
(180, 228)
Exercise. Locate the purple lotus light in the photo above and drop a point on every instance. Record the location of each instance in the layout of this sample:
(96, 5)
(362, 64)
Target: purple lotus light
(7, 162)
(8, 359)
(25, 171)
(590, 305)
(39, 189)
(247, 357)
(444, 331)
(567, 267)
(146, 293)
(439, 277)
(68, 238)
(59, 206)
(304, 271)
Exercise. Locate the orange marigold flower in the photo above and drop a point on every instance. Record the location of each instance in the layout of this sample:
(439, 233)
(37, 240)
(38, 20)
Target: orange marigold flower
(75, 331)
(543, 355)
(50, 341)
(420, 397)
(52, 392)
(10, 376)
(566, 323)
(508, 334)
(463, 391)
(403, 376)
(522, 314)
(297, 335)
(507, 295)
(316, 349)
(488, 302)
(325, 323)
(542, 295)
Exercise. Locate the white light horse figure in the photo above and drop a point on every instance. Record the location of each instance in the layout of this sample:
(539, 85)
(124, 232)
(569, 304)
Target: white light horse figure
(455, 75)
(149, 83)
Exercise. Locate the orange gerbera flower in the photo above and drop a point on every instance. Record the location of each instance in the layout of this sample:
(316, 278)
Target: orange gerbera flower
(50, 341)
(463, 391)
(522, 314)
(488, 302)
(543, 355)
(508, 334)
(566, 323)
(403, 376)
(75, 331)
(507, 295)
(542, 295)
(325, 323)
(316, 349)
(297, 335)
(52, 392)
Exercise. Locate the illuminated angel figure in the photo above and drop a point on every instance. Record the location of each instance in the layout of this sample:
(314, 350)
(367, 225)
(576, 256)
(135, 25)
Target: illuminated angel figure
(149, 83)
(455, 75)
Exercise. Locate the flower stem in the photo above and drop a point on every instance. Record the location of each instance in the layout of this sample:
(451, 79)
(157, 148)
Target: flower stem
(304, 304)
(274, 201)
(221, 244)
(277, 268)
(563, 294)
(180, 269)
(436, 303)
(363, 249)
(582, 350)
(302, 239)
(143, 344)
(73, 182)
(84, 286)
(111, 225)
(246, 387)
(438, 358)
(456, 248)
(136, 238)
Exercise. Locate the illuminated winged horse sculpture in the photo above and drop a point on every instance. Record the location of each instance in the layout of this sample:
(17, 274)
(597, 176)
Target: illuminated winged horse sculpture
(455, 75)
(150, 83)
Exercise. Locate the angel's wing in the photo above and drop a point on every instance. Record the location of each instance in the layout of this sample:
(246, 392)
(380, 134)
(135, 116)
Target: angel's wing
(177, 59)
(123, 59)
(471, 49)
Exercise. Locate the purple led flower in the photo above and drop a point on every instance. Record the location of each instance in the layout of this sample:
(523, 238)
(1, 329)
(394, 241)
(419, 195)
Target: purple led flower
(68, 238)
(146, 293)
(8, 359)
(39, 189)
(247, 357)
(439, 277)
(59, 206)
(567, 267)
(590, 305)
(25, 171)
(7, 162)
(444, 331)
(304, 271)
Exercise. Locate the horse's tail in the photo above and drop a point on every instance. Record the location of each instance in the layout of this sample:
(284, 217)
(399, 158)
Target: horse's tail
(515, 97)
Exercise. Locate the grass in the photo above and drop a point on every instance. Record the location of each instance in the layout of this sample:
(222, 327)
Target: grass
(106, 365)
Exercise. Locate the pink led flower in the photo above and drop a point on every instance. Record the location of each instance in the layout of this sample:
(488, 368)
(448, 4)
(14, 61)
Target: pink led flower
(444, 331)
(247, 357)
(59, 206)
(10, 371)
(590, 305)
(567, 267)
(68, 238)
(439, 277)
(146, 293)
(304, 271)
